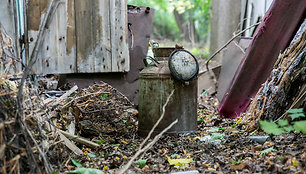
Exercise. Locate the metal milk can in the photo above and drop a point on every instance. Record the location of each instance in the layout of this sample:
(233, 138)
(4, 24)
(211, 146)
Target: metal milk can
(156, 84)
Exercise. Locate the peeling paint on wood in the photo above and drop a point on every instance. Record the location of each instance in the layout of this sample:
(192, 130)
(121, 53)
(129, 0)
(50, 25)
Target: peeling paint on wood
(37, 7)
(120, 54)
(83, 37)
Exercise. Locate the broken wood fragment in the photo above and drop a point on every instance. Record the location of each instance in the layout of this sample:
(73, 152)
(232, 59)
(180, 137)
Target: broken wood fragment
(64, 96)
(69, 144)
(80, 140)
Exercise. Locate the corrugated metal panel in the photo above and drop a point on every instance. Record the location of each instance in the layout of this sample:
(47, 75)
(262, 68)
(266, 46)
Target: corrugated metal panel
(8, 19)
(83, 37)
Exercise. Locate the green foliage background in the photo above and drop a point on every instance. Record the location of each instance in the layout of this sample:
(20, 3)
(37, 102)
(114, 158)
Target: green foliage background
(164, 25)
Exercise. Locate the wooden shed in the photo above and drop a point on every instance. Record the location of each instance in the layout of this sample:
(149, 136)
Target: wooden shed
(82, 36)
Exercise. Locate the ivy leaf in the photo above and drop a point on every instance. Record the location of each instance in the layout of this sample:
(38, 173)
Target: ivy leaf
(76, 162)
(288, 128)
(271, 149)
(92, 155)
(300, 126)
(141, 163)
(295, 111)
(217, 136)
(104, 97)
(87, 171)
(101, 141)
(174, 155)
(283, 123)
(297, 115)
(270, 127)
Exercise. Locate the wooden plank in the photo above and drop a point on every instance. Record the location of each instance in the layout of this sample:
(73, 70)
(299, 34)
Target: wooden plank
(57, 54)
(83, 37)
(92, 34)
(120, 50)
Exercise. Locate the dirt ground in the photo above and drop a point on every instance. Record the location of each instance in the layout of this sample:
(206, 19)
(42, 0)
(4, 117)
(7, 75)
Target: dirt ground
(218, 146)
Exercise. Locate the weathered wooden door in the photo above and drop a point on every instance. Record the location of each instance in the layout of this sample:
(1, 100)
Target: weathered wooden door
(83, 36)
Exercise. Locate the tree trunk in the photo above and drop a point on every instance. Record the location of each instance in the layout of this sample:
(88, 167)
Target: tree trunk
(285, 88)
(186, 27)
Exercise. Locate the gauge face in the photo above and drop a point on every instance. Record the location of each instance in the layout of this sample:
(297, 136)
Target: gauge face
(183, 65)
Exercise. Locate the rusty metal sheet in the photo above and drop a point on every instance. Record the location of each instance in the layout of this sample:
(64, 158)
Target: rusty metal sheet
(140, 21)
(272, 36)
(230, 62)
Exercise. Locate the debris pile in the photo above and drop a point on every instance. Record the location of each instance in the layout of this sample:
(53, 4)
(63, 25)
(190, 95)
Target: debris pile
(99, 110)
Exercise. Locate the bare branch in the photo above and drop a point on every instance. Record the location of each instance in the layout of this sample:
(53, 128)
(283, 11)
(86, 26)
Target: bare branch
(228, 42)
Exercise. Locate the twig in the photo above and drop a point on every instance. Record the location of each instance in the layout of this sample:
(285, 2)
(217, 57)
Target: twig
(39, 149)
(20, 115)
(148, 146)
(228, 42)
(237, 45)
(300, 98)
(2, 148)
(35, 51)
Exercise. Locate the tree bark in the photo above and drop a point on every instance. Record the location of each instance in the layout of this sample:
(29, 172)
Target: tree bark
(285, 88)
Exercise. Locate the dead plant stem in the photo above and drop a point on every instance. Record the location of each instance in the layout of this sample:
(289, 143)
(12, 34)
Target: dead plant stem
(227, 43)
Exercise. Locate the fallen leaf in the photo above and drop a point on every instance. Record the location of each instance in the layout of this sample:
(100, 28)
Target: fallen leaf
(238, 167)
(124, 142)
(87, 170)
(178, 162)
(295, 163)
(206, 165)
(211, 169)
(146, 168)
(141, 163)
(303, 156)
(76, 162)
